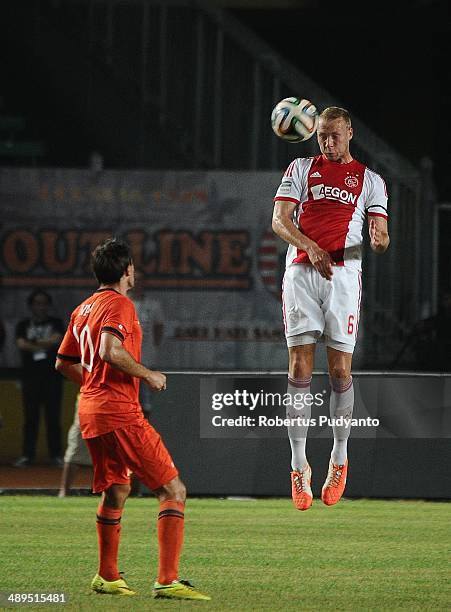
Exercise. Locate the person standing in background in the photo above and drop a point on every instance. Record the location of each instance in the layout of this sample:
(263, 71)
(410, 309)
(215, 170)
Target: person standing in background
(38, 338)
(428, 344)
(2, 343)
(76, 454)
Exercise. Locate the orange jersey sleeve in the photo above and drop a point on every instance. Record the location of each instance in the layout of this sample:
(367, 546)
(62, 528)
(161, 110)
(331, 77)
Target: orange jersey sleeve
(69, 349)
(119, 318)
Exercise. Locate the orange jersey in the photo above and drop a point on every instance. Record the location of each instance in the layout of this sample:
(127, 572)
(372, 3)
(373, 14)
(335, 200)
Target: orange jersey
(109, 397)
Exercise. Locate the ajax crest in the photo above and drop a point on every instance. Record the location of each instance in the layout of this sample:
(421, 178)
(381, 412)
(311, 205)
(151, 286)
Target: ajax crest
(351, 181)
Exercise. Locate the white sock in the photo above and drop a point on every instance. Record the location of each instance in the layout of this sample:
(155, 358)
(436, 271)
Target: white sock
(297, 434)
(341, 404)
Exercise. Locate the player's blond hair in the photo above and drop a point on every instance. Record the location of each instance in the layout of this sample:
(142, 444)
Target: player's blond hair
(336, 112)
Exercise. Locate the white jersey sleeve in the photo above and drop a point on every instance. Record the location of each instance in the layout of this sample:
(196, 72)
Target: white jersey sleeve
(293, 187)
(376, 197)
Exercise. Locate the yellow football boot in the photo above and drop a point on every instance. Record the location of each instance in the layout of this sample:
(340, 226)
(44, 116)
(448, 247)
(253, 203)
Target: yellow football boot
(112, 587)
(178, 589)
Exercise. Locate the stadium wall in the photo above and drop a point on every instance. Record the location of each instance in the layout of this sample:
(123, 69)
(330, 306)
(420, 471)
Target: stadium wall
(406, 456)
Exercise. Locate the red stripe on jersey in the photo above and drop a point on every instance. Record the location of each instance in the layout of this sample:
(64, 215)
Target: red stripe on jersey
(327, 224)
(358, 305)
(285, 199)
(289, 170)
(377, 215)
(333, 192)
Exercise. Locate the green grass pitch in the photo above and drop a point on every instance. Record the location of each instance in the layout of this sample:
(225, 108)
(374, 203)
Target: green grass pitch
(248, 555)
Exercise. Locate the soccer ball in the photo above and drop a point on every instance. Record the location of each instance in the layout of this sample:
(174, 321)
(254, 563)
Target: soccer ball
(294, 119)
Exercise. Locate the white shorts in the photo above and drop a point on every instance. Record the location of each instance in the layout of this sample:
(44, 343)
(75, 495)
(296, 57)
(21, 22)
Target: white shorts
(76, 451)
(314, 307)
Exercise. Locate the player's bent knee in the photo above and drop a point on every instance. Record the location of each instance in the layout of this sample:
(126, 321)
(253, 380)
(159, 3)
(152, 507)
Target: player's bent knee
(179, 490)
(116, 495)
(300, 365)
(300, 371)
(174, 490)
(339, 372)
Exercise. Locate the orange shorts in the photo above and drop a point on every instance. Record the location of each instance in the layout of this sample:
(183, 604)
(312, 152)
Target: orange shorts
(135, 448)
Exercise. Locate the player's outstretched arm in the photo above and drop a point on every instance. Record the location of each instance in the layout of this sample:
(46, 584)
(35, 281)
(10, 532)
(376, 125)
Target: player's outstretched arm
(283, 226)
(112, 351)
(378, 231)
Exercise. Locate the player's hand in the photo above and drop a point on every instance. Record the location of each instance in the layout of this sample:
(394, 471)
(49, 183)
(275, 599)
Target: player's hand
(156, 381)
(378, 237)
(375, 235)
(321, 261)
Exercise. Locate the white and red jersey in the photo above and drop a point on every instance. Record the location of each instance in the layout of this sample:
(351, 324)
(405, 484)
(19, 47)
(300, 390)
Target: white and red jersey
(333, 200)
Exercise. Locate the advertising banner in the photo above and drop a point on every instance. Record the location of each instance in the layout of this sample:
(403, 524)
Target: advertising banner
(202, 243)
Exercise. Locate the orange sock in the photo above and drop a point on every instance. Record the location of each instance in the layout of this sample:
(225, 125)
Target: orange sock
(108, 533)
(171, 520)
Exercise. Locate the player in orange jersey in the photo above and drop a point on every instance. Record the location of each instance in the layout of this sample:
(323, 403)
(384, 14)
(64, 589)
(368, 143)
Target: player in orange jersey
(320, 208)
(101, 351)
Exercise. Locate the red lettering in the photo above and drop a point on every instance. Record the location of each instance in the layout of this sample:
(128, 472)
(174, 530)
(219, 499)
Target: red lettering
(50, 256)
(166, 247)
(195, 252)
(20, 251)
(232, 259)
(136, 241)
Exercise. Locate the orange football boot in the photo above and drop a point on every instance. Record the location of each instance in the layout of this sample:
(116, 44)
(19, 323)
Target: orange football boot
(300, 488)
(335, 483)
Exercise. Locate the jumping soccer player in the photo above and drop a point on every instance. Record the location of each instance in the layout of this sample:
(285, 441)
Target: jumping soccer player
(319, 210)
(101, 351)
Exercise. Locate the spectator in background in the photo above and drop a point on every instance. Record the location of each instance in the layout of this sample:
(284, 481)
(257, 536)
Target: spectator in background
(150, 316)
(2, 334)
(433, 338)
(38, 338)
(76, 454)
(2, 343)
(429, 342)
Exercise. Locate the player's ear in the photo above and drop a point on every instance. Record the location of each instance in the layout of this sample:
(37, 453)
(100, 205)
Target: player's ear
(351, 133)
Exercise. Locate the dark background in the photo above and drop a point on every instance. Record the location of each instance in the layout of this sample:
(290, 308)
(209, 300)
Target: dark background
(387, 62)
